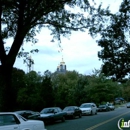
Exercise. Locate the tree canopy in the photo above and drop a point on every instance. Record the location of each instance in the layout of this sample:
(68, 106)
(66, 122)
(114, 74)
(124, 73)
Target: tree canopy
(114, 33)
(21, 20)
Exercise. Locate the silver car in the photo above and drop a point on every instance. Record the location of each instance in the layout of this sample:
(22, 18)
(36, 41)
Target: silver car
(128, 105)
(88, 108)
(111, 106)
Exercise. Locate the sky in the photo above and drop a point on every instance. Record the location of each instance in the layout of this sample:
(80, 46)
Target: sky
(79, 51)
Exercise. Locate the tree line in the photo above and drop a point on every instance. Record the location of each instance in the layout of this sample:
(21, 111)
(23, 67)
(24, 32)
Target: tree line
(21, 20)
(35, 91)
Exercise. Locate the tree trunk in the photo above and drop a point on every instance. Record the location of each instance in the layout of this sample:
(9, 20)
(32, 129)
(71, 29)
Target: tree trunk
(7, 92)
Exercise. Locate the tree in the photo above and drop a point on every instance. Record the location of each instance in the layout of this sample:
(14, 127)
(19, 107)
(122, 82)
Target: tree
(114, 32)
(28, 96)
(80, 95)
(64, 88)
(18, 83)
(46, 92)
(22, 19)
(101, 88)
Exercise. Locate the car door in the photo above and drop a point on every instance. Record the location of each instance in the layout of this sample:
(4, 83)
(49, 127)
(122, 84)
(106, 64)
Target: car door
(94, 108)
(77, 111)
(56, 114)
(8, 122)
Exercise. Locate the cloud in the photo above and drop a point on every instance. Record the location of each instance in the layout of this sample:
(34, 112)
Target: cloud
(79, 51)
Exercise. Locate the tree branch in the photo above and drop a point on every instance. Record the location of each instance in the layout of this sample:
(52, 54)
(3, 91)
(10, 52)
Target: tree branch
(2, 50)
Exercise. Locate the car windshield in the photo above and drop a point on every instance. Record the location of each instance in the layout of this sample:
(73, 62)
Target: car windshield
(68, 109)
(21, 118)
(110, 104)
(48, 110)
(85, 106)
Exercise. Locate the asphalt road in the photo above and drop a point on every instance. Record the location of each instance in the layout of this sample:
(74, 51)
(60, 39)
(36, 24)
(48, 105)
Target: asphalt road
(101, 121)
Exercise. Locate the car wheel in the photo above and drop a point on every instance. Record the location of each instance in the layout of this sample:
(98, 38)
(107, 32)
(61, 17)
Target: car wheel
(73, 116)
(80, 115)
(91, 113)
(63, 119)
(96, 113)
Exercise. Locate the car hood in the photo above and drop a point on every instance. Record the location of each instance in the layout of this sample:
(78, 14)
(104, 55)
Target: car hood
(85, 109)
(34, 121)
(46, 115)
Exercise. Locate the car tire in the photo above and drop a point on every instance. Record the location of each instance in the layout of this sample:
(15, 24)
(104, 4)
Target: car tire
(91, 113)
(73, 116)
(63, 119)
(80, 115)
(96, 113)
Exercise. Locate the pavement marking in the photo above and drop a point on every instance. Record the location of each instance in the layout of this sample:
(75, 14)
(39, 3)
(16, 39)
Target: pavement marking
(95, 126)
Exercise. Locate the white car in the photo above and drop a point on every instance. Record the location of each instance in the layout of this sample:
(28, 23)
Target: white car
(88, 108)
(111, 106)
(13, 121)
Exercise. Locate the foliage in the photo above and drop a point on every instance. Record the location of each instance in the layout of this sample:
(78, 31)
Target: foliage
(28, 96)
(64, 85)
(21, 20)
(113, 30)
(80, 94)
(126, 90)
(46, 92)
(18, 83)
(35, 91)
(102, 89)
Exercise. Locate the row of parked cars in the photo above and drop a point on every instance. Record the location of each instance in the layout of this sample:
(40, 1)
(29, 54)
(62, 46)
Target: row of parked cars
(53, 114)
(35, 120)
(106, 107)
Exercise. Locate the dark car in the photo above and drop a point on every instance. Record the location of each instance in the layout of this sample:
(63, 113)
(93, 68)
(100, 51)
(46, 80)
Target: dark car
(73, 111)
(103, 108)
(52, 114)
(28, 114)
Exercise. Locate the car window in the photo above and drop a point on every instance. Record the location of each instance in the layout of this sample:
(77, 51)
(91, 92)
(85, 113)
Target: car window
(1, 120)
(85, 106)
(75, 107)
(69, 109)
(59, 109)
(93, 105)
(7, 120)
(56, 110)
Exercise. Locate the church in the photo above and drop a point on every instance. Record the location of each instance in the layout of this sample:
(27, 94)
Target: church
(61, 68)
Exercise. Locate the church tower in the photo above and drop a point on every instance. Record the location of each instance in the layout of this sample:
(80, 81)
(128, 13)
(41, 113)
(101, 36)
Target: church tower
(62, 67)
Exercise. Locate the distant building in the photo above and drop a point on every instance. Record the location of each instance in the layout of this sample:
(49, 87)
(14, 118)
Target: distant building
(62, 67)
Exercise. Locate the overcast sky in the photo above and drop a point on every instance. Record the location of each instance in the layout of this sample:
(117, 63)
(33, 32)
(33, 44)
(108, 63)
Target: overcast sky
(79, 51)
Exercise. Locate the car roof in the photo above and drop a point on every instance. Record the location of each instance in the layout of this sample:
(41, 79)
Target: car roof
(89, 103)
(24, 111)
(50, 107)
(7, 112)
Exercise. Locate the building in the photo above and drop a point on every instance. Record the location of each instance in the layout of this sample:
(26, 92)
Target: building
(61, 68)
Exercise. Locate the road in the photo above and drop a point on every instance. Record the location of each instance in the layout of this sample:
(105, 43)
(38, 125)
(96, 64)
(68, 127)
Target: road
(101, 121)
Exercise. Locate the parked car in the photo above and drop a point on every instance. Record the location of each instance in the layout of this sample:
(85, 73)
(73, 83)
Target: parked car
(111, 106)
(103, 107)
(28, 114)
(88, 108)
(128, 105)
(73, 111)
(13, 121)
(52, 114)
